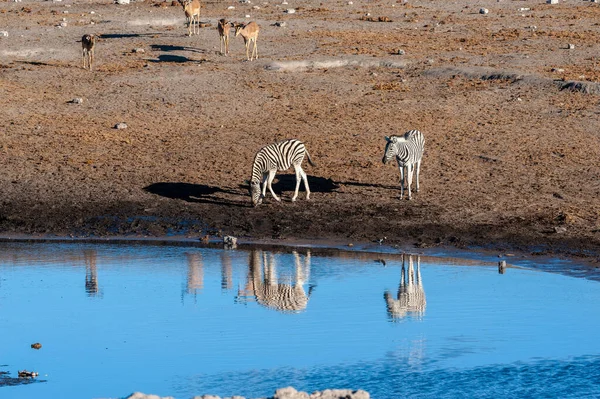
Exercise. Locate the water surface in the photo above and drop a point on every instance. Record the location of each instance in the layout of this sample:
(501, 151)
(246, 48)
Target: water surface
(189, 321)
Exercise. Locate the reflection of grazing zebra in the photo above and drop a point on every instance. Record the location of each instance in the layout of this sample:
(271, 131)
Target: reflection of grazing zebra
(287, 297)
(408, 150)
(91, 274)
(411, 296)
(274, 157)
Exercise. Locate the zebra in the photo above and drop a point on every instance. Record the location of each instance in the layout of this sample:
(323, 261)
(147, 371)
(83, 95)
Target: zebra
(277, 157)
(408, 150)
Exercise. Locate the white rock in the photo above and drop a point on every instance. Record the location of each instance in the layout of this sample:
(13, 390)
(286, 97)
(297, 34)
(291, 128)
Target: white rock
(401, 52)
(3, 33)
(231, 8)
(92, 12)
(17, 1)
(350, 3)
(63, 25)
(65, 11)
(284, 3)
(122, 1)
(229, 242)
(524, 9)
(483, 11)
(121, 125)
(247, 15)
(77, 100)
(552, 1)
(138, 50)
(290, 11)
(255, 7)
(571, 46)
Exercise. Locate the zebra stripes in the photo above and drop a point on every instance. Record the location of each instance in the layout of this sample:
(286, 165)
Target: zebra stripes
(408, 150)
(277, 157)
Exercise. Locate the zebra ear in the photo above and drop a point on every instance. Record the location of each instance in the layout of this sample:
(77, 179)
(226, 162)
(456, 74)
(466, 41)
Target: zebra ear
(387, 138)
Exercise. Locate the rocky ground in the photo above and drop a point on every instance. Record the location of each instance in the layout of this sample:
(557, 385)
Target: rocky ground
(507, 101)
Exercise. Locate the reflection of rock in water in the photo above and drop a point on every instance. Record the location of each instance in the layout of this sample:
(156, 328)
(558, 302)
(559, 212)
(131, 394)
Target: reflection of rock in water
(411, 295)
(195, 273)
(91, 274)
(271, 293)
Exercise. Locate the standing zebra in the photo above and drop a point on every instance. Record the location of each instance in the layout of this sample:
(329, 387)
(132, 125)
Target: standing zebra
(277, 157)
(408, 150)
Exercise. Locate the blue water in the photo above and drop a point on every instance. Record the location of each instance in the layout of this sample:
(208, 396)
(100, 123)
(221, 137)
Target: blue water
(189, 321)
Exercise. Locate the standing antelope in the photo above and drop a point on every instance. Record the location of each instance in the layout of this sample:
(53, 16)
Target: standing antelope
(250, 33)
(408, 151)
(88, 42)
(191, 8)
(223, 29)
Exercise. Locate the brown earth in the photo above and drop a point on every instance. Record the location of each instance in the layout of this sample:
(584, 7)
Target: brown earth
(510, 157)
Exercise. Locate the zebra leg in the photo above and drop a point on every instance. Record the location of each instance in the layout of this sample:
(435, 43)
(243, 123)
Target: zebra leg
(417, 173)
(409, 177)
(269, 181)
(297, 169)
(401, 181)
(305, 180)
(264, 187)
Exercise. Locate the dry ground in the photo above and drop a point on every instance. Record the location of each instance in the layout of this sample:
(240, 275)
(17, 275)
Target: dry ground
(508, 159)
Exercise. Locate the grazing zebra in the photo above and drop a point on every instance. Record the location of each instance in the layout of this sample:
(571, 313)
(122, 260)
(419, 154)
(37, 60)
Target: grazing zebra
(277, 157)
(408, 150)
(411, 295)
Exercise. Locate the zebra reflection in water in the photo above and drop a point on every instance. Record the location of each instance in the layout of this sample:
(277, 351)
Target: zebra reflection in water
(195, 273)
(91, 274)
(264, 285)
(411, 295)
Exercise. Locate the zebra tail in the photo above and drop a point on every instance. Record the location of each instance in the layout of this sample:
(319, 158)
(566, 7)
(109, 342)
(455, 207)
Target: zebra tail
(309, 160)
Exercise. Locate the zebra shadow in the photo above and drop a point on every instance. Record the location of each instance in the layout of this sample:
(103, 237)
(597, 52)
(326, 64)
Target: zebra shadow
(287, 182)
(197, 193)
(124, 35)
(176, 59)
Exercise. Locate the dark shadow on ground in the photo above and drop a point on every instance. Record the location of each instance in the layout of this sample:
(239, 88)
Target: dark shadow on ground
(124, 35)
(168, 47)
(287, 182)
(189, 192)
(171, 58)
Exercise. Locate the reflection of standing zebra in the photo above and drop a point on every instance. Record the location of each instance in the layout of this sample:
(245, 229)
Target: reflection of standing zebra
(408, 150)
(276, 157)
(268, 291)
(411, 295)
(91, 274)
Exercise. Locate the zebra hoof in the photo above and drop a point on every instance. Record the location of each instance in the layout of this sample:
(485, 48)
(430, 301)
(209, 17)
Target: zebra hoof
(293, 199)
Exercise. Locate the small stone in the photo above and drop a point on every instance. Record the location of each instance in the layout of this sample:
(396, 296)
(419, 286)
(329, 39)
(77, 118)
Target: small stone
(121, 125)
(63, 24)
(77, 100)
(122, 1)
(229, 242)
(3, 33)
(290, 11)
(138, 50)
(484, 11)
(231, 8)
(560, 229)
(524, 9)
(350, 3)
(280, 24)
(284, 2)
(571, 46)
(247, 15)
(401, 52)
(552, 1)
(558, 70)
(255, 7)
